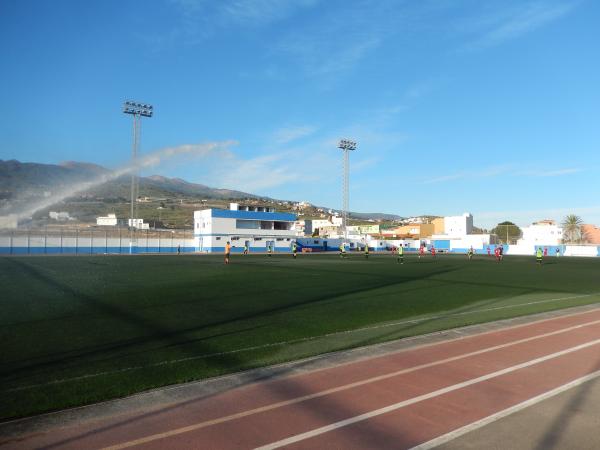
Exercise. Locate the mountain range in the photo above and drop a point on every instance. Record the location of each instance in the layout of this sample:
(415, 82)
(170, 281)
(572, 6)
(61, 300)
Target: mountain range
(22, 182)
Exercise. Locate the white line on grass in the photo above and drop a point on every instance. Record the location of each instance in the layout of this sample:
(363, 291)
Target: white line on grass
(420, 398)
(293, 341)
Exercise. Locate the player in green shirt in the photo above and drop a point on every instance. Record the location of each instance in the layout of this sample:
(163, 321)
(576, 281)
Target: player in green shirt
(400, 254)
(342, 250)
(294, 250)
(269, 250)
(539, 256)
(366, 251)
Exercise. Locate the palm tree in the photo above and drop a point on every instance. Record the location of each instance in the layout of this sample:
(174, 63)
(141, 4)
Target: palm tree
(572, 228)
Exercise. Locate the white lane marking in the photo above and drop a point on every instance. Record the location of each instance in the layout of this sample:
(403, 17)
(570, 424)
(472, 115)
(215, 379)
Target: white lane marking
(295, 341)
(420, 398)
(504, 413)
(296, 400)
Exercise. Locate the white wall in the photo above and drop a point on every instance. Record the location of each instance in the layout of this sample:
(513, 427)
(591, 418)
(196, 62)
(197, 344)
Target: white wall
(541, 235)
(456, 226)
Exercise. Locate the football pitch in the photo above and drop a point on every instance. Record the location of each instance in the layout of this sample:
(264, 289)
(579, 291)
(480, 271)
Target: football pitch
(81, 329)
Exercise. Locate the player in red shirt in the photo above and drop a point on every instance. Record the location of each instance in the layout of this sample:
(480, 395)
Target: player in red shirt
(545, 251)
(433, 251)
(421, 251)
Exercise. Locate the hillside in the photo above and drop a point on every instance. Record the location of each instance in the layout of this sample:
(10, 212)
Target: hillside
(165, 201)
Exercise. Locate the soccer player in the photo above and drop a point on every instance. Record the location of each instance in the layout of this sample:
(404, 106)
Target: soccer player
(489, 251)
(342, 250)
(470, 253)
(245, 249)
(400, 254)
(501, 252)
(294, 250)
(227, 252)
(366, 251)
(539, 256)
(557, 252)
(269, 250)
(433, 251)
(545, 251)
(497, 253)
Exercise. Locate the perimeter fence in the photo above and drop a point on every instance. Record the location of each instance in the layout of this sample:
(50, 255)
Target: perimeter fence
(91, 240)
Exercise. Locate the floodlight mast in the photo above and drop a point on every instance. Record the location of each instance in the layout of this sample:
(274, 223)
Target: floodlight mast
(346, 145)
(137, 110)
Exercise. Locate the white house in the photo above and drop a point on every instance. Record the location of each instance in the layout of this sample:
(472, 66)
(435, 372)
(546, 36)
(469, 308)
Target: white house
(107, 221)
(138, 223)
(544, 232)
(458, 235)
(256, 227)
(458, 226)
(61, 216)
(310, 225)
(9, 221)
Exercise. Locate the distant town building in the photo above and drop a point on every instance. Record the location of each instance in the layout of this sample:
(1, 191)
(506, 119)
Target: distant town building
(138, 223)
(590, 233)
(457, 226)
(108, 221)
(323, 226)
(62, 216)
(544, 232)
(9, 222)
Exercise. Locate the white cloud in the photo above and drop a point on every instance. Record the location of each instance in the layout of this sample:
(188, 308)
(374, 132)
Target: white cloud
(253, 175)
(498, 25)
(495, 171)
(239, 12)
(292, 133)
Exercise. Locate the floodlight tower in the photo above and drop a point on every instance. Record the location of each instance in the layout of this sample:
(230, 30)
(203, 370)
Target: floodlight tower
(346, 145)
(137, 110)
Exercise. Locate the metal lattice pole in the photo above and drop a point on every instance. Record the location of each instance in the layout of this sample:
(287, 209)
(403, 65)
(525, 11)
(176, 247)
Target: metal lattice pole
(137, 110)
(346, 145)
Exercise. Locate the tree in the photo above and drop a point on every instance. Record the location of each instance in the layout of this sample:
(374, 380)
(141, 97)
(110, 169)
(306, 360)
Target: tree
(507, 232)
(572, 229)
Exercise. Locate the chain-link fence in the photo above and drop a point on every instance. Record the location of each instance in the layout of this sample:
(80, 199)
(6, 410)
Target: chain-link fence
(79, 240)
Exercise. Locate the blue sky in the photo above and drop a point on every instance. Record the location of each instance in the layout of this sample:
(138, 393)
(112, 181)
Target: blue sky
(457, 105)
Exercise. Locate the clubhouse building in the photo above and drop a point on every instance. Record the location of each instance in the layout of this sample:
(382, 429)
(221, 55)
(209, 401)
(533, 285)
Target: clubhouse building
(254, 226)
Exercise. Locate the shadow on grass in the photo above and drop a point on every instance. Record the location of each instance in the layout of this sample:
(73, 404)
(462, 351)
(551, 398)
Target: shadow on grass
(153, 330)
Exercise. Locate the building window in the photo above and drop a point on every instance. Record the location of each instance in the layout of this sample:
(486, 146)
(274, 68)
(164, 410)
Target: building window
(218, 238)
(282, 225)
(247, 224)
(279, 239)
(235, 238)
(258, 239)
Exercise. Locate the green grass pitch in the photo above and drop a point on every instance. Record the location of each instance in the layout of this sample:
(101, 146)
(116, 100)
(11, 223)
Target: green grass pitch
(80, 329)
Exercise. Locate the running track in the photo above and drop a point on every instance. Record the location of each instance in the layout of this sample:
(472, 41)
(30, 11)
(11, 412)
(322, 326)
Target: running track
(401, 400)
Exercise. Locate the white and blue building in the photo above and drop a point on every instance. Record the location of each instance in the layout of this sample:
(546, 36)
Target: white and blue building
(254, 226)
